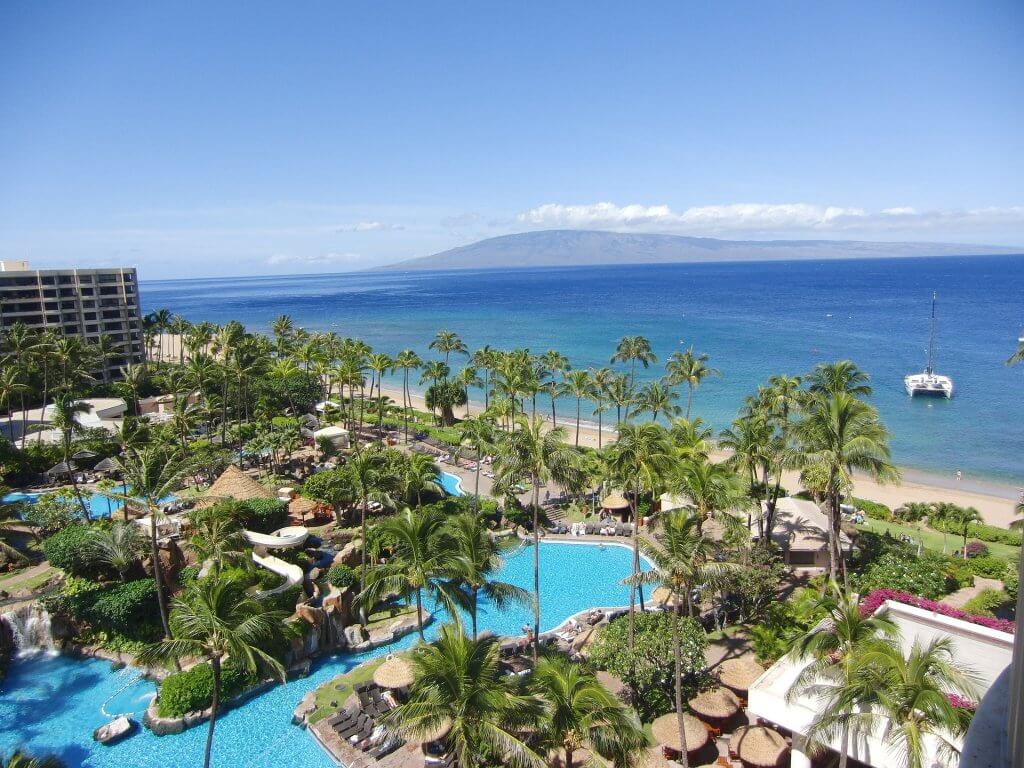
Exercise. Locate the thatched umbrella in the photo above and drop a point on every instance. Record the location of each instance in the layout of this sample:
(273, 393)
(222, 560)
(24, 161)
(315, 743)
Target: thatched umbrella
(106, 465)
(62, 468)
(612, 682)
(395, 672)
(758, 746)
(716, 704)
(614, 501)
(300, 507)
(739, 673)
(665, 731)
(664, 596)
(438, 733)
(83, 454)
(233, 483)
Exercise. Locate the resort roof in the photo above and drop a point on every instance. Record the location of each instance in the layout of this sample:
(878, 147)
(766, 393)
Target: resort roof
(233, 483)
(801, 525)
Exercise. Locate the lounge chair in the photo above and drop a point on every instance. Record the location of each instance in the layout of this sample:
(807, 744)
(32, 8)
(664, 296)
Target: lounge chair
(385, 749)
(353, 727)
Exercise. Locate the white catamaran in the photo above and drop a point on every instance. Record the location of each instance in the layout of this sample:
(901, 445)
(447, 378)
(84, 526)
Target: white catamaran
(929, 382)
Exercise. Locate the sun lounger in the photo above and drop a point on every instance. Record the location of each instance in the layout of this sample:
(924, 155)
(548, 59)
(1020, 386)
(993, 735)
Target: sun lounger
(385, 749)
(354, 727)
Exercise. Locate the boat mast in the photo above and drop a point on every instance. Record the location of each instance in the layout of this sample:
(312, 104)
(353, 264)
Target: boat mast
(931, 339)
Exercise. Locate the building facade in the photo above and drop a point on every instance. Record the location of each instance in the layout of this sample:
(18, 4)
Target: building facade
(88, 303)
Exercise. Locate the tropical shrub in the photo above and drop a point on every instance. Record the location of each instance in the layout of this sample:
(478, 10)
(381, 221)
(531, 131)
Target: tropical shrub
(875, 599)
(70, 550)
(989, 533)
(341, 576)
(925, 576)
(976, 549)
(873, 509)
(188, 574)
(986, 602)
(913, 511)
(192, 690)
(123, 607)
(263, 515)
(988, 566)
(650, 667)
(53, 512)
(1011, 580)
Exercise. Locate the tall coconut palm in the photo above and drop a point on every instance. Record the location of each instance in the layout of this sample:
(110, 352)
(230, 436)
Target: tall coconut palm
(444, 397)
(422, 561)
(633, 350)
(11, 386)
(419, 473)
(447, 342)
(839, 434)
(833, 649)
(379, 363)
(689, 368)
(958, 519)
(553, 363)
(621, 395)
(540, 456)
(839, 376)
(160, 320)
(371, 478)
(479, 436)
(64, 417)
(458, 685)
(640, 459)
(582, 713)
(656, 398)
(217, 537)
(601, 379)
(711, 488)
(215, 620)
(485, 359)
(283, 329)
(405, 361)
(476, 558)
(577, 384)
(683, 559)
(150, 474)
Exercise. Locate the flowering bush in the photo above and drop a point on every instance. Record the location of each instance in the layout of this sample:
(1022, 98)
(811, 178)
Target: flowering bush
(976, 549)
(959, 702)
(875, 599)
(903, 572)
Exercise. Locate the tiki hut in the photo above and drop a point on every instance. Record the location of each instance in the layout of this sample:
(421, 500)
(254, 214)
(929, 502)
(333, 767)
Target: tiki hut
(62, 468)
(233, 483)
(663, 596)
(715, 706)
(616, 504)
(437, 733)
(106, 465)
(758, 746)
(665, 731)
(395, 672)
(739, 673)
(299, 507)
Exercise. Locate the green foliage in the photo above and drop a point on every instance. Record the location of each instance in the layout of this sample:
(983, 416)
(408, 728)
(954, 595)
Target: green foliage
(188, 574)
(872, 508)
(263, 515)
(1011, 581)
(988, 566)
(70, 550)
(990, 533)
(986, 602)
(54, 512)
(751, 590)
(286, 600)
(925, 576)
(783, 623)
(192, 690)
(650, 667)
(341, 576)
(913, 511)
(128, 609)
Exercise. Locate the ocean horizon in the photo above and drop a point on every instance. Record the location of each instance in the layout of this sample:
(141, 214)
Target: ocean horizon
(754, 319)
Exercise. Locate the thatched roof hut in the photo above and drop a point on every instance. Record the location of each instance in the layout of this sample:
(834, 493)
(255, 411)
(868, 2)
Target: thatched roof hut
(395, 672)
(716, 704)
(233, 483)
(758, 746)
(300, 506)
(663, 596)
(615, 501)
(739, 673)
(665, 731)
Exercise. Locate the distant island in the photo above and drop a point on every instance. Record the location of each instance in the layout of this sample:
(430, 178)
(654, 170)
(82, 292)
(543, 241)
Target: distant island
(577, 248)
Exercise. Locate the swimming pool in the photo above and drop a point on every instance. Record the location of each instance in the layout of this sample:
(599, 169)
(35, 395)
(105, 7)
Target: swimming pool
(53, 704)
(97, 504)
(452, 484)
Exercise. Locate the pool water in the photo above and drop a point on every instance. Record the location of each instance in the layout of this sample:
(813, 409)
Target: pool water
(51, 704)
(97, 504)
(452, 484)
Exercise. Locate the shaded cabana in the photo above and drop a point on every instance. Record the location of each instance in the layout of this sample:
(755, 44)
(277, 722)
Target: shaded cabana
(739, 673)
(665, 731)
(715, 706)
(395, 672)
(106, 465)
(62, 468)
(616, 504)
(300, 506)
(84, 455)
(233, 483)
(757, 746)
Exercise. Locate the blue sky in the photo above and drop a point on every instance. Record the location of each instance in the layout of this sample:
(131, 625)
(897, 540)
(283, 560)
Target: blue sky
(198, 139)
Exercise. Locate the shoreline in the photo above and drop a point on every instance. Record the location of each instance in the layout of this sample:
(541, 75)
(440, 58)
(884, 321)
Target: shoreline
(995, 501)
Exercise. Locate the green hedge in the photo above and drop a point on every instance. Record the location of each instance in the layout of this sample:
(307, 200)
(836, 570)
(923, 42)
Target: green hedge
(925, 576)
(192, 690)
(263, 515)
(986, 603)
(873, 509)
(70, 550)
(341, 576)
(128, 609)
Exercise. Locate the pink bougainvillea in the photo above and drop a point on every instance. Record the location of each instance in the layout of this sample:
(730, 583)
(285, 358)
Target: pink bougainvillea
(874, 600)
(960, 702)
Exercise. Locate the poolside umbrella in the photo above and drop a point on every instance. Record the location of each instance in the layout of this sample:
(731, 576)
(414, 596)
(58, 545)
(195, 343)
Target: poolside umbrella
(437, 733)
(739, 673)
(665, 731)
(106, 465)
(299, 507)
(395, 672)
(716, 704)
(614, 501)
(85, 453)
(758, 746)
(63, 468)
(663, 596)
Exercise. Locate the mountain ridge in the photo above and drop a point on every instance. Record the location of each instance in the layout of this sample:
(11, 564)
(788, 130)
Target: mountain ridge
(568, 248)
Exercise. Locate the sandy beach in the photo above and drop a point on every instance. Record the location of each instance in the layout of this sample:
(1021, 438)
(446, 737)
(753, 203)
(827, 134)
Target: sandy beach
(995, 502)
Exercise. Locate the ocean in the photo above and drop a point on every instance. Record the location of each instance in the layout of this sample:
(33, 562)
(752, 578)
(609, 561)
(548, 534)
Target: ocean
(753, 319)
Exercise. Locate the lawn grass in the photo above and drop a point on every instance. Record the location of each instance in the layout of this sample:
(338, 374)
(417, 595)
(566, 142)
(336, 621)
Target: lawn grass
(389, 615)
(14, 579)
(331, 695)
(931, 539)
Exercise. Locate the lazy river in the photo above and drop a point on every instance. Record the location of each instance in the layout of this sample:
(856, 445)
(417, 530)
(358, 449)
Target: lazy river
(51, 704)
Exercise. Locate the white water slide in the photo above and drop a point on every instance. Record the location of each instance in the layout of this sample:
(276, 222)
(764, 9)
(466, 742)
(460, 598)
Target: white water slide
(284, 538)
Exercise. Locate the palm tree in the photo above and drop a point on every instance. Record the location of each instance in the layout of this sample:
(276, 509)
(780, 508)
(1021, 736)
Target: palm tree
(379, 363)
(834, 648)
(215, 619)
(711, 488)
(959, 519)
(633, 350)
(658, 397)
(683, 559)
(422, 561)
(485, 359)
(839, 434)
(371, 477)
(283, 329)
(447, 342)
(620, 394)
(10, 516)
(445, 396)
(11, 384)
(150, 474)
(479, 436)
(839, 376)
(217, 537)
(541, 456)
(476, 557)
(419, 473)
(160, 321)
(19, 759)
(601, 379)
(551, 363)
(907, 696)
(407, 360)
(691, 369)
(640, 458)
(577, 384)
(458, 685)
(582, 713)
(64, 417)
(118, 547)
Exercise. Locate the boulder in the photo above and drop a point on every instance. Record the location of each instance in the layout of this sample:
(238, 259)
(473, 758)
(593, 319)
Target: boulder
(310, 614)
(117, 729)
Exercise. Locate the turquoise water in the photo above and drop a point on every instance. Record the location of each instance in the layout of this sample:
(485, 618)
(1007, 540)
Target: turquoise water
(53, 704)
(452, 484)
(98, 504)
(754, 319)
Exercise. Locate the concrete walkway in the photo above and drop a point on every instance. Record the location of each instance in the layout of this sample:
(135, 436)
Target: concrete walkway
(959, 598)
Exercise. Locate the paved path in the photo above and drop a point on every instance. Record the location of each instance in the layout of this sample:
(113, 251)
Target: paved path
(959, 598)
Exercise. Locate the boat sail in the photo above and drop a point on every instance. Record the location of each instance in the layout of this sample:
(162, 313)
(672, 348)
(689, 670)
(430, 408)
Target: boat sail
(929, 383)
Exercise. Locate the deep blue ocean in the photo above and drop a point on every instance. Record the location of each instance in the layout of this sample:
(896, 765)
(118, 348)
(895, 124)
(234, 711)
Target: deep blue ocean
(753, 319)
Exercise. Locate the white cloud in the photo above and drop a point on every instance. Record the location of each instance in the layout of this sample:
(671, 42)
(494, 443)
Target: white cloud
(367, 226)
(764, 218)
(313, 259)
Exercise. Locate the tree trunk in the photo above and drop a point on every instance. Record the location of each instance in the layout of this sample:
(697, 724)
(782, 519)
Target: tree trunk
(362, 523)
(215, 663)
(632, 581)
(419, 612)
(677, 652)
(577, 422)
(689, 401)
(600, 413)
(476, 482)
(473, 608)
(568, 755)
(158, 574)
(536, 567)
